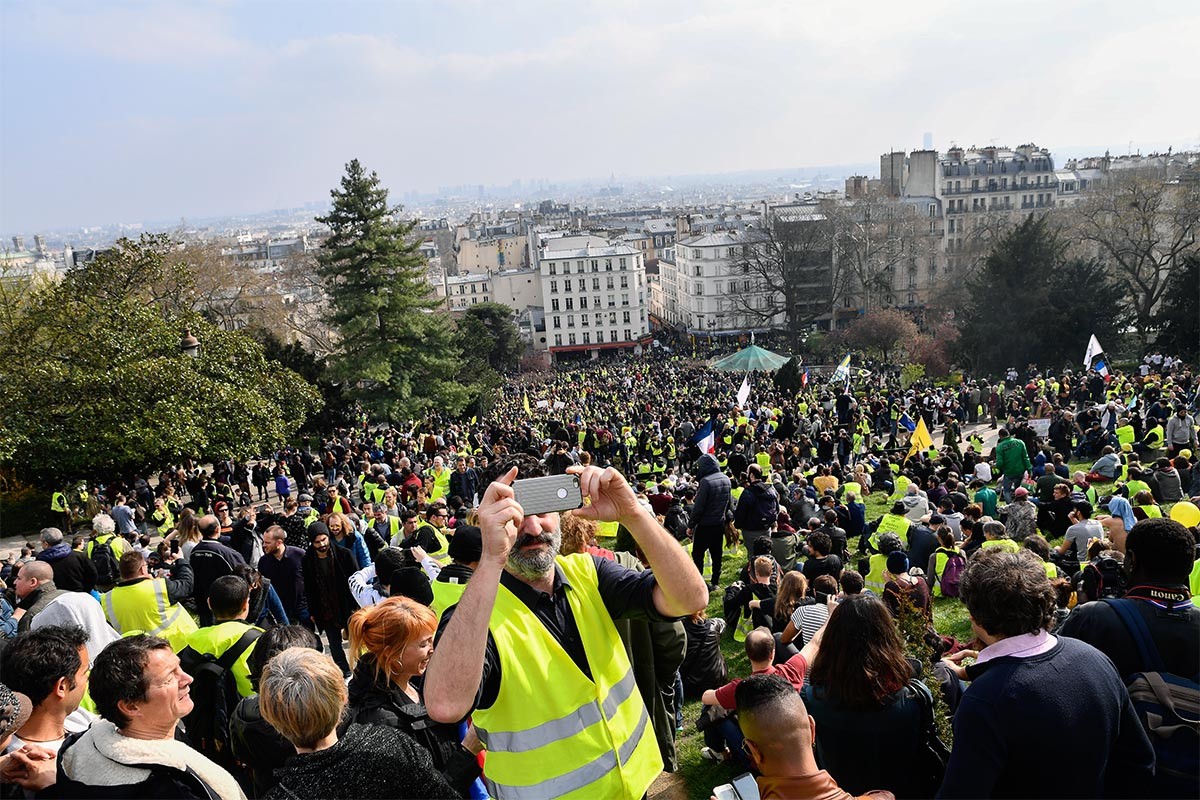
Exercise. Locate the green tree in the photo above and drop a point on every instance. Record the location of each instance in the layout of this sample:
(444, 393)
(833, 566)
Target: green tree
(92, 380)
(488, 329)
(1179, 316)
(396, 350)
(1030, 304)
(788, 377)
(336, 409)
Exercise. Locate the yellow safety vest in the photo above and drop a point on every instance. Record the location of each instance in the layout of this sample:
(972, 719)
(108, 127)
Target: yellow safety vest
(58, 502)
(216, 639)
(892, 523)
(764, 461)
(168, 521)
(442, 554)
(117, 543)
(902, 483)
(1002, 544)
(1125, 434)
(143, 607)
(1151, 511)
(552, 732)
(445, 595)
(1051, 570)
(441, 485)
(874, 578)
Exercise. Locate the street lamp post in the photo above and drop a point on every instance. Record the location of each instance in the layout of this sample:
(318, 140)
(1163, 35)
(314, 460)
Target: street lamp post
(189, 345)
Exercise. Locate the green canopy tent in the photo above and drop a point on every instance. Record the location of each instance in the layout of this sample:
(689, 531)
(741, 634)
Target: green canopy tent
(750, 359)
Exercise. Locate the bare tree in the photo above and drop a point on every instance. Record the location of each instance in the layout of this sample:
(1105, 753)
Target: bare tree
(789, 263)
(876, 237)
(1143, 224)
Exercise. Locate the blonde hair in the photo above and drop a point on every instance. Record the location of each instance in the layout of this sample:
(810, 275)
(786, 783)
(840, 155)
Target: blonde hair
(385, 629)
(302, 695)
(577, 534)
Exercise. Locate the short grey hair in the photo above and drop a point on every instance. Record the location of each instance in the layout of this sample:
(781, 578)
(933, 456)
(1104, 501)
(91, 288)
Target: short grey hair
(51, 536)
(103, 523)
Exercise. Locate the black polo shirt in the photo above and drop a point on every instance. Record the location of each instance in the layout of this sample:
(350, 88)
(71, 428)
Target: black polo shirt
(626, 595)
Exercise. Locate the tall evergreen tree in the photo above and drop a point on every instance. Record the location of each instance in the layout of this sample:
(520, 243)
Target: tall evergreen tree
(1008, 296)
(1030, 304)
(1179, 317)
(397, 350)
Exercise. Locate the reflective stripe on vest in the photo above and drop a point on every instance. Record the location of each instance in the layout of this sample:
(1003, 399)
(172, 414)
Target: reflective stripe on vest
(874, 580)
(144, 606)
(575, 738)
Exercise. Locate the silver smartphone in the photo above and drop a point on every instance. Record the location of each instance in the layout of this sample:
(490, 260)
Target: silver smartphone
(551, 493)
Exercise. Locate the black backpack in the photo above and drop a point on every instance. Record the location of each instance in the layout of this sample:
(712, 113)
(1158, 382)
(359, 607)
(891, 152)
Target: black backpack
(215, 695)
(105, 561)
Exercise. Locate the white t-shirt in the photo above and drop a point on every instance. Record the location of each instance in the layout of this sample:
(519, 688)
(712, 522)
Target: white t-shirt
(983, 471)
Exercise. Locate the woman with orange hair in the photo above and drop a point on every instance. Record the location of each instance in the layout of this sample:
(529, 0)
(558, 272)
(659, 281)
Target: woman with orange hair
(390, 646)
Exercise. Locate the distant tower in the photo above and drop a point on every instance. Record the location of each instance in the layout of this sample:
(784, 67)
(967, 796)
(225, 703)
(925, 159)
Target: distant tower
(927, 140)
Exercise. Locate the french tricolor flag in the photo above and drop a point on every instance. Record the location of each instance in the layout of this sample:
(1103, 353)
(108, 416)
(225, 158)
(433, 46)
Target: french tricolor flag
(1102, 368)
(706, 438)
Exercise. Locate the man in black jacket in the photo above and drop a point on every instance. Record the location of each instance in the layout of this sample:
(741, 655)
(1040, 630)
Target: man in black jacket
(73, 570)
(210, 560)
(1158, 557)
(706, 525)
(757, 508)
(327, 571)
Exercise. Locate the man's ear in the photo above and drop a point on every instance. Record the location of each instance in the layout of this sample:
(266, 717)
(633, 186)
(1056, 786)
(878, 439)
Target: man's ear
(61, 687)
(130, 708)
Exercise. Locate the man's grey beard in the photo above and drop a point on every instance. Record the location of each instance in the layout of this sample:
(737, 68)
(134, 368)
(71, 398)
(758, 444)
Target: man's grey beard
(532, 566)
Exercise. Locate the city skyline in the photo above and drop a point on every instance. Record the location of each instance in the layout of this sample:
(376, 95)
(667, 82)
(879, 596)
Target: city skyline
(152, 111)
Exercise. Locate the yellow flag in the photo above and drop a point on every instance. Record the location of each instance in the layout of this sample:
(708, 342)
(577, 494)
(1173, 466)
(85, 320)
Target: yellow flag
(474, 418)
(527, 411)
(920, 439)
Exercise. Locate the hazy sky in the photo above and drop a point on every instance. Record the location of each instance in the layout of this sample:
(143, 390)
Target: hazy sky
(122, 111)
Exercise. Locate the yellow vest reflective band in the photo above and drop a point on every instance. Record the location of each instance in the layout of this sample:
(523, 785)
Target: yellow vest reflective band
(216, 639)
(552, 732)
(1002, 544)
(58, 502)
(874, 579)
(892, 523)
(143, 607)
(445, 595)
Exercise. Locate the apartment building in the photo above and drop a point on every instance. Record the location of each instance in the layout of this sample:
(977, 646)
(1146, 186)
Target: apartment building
(594, 295)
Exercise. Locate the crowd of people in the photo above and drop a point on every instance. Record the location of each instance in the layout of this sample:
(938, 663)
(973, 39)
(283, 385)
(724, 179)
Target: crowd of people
(375, 615)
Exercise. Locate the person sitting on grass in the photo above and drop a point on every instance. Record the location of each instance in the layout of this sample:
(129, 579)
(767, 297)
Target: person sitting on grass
(723, 742)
